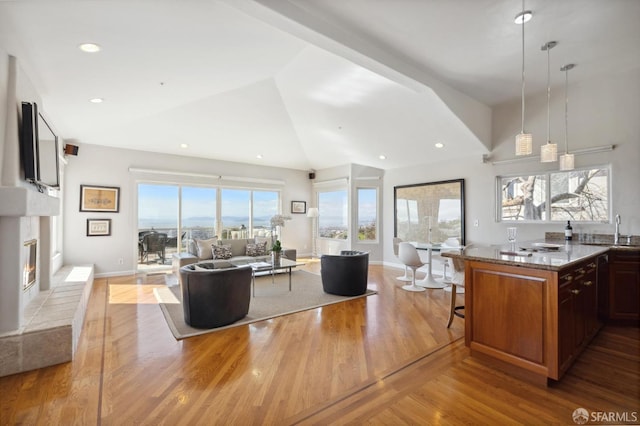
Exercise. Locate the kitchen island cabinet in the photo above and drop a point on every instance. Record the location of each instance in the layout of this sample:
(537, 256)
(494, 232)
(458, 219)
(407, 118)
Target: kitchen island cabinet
(535, 311)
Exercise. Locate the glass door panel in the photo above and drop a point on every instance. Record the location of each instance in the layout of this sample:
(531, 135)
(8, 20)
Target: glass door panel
(235, 213)
(157, 214)
(265, 206)
(198, 210)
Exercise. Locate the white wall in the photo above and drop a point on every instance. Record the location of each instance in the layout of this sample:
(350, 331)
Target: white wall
(99, 165)
(601, 112)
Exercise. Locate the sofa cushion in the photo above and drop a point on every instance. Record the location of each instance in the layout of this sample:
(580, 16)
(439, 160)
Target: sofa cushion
(203, 248)
(238, 247)
(258, 249)
(221, 251)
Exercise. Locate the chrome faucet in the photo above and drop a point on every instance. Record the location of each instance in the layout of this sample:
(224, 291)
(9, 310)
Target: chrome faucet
(616, 236)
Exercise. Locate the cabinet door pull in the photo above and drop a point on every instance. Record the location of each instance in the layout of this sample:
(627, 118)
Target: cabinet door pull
(587, 283)
(575, 291)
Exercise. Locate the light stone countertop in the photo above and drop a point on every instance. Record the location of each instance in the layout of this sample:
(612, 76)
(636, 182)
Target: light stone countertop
(528, 255)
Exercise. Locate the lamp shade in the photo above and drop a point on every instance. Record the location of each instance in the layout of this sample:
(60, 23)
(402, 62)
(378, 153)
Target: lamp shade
(567, 162)
(549, 153)
(524, 144)
(313, 212)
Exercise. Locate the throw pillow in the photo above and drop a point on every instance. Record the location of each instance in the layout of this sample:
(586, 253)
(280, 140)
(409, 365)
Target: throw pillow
(258, 249)
(221, 252)
(204, 248)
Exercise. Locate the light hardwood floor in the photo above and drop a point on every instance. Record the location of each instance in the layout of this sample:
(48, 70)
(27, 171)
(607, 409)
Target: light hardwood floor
(383, 359)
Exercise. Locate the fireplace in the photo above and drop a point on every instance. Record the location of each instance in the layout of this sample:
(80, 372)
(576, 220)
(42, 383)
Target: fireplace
(30, 262)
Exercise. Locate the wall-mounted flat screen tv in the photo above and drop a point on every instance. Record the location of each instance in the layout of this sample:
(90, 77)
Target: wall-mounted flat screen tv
(38, 148)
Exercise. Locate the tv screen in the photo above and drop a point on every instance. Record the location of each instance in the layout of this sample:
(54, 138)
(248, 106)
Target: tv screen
(47, 155)
(28, 141)
(39, 148)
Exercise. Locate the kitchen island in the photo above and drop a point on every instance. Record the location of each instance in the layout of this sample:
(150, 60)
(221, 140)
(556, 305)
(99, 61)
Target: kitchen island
(533, 308)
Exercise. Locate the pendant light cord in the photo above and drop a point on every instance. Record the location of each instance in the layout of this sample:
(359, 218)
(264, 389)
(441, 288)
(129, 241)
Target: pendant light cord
(548, 93)
(523, 24)
(566, 110)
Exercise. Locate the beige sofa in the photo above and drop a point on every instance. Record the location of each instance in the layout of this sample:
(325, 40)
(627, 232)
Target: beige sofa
(200, 250)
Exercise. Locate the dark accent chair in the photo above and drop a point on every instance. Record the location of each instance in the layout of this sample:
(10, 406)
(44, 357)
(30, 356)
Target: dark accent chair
(154, 243)
(215, 295)
(345, 274)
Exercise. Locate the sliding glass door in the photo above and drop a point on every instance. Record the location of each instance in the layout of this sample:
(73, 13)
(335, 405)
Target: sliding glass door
(180, 213)
(198, 213)
(157, 223)
(236, 207)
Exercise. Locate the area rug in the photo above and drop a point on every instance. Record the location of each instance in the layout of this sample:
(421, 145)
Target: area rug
(272, 299)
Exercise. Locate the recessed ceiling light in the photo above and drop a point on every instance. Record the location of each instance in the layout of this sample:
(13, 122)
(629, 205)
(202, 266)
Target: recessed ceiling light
(184, 146)
(89, 47)
(439, 145)
(96, 100)
(523, 17)
(382, 157)
(259, 156)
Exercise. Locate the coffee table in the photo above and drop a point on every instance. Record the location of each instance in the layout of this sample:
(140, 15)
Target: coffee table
(256, 267)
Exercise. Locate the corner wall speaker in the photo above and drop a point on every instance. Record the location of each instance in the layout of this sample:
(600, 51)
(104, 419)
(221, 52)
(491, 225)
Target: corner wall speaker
(70, 149)
(312, 175)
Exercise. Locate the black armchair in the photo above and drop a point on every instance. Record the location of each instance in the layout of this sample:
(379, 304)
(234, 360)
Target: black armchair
(345, 274)
(214, 295)
(154, 243)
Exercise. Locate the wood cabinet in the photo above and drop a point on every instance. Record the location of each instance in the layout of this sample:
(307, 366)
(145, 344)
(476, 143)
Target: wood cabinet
(536, 319)
(624, 285)
(577, 311)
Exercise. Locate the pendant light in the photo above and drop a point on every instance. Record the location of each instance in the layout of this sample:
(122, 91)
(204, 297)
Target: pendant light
(566, 160)
(524, 141)
(549, 151)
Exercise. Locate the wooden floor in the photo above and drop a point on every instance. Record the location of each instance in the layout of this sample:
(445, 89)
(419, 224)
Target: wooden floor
(383, 359)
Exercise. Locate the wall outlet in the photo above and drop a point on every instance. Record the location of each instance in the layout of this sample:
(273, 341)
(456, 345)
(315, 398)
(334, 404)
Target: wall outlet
(476, 223)
(121, 261)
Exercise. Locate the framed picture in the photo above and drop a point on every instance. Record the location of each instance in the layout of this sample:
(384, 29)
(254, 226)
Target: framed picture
(98, 227)
(105, 199)
(299, 207)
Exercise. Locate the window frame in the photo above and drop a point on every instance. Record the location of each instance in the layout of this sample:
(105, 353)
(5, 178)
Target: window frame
(426, 194)
(219, 189)
(377, 211)
(547, 211)
(327, 189)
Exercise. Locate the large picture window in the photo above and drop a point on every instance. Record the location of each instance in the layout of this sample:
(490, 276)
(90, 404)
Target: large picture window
(332, 221)
(430, 212)
(200, 212)
(367, 214)
(577, 195)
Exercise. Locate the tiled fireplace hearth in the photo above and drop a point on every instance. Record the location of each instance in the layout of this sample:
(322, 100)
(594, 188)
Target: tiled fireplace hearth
(41, 313)
(52, 324)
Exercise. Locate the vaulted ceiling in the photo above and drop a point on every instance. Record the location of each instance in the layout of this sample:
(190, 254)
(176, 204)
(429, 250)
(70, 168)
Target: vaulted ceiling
(303, 84)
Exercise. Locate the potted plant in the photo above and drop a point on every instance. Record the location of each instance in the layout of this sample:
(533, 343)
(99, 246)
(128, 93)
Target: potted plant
(276, 250)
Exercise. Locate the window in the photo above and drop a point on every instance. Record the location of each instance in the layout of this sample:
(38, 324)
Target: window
(576, 195)
(367, 214)
(235, 213)
(158, 208)
(430, 212)
(203, 212)
(581, 195)
(265, 206)
(524, 197)
(332, 219)
(198, 208)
